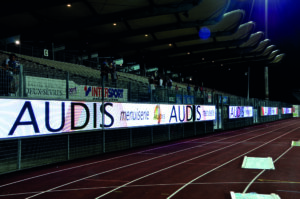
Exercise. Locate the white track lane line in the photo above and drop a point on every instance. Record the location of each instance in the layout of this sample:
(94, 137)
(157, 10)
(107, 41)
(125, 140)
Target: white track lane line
(247, 187)
(118, 157)
(178, 190)
(144, 185)
(49, 190)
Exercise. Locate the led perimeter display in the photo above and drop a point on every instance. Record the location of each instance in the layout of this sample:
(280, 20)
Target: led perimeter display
(240, 112)
(265, 111)
(40, 117)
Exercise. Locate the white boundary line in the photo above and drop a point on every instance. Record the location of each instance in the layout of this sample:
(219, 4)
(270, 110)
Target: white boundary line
(178, 190)
(145, 185)
(49, 190)
(247, 187)
(118, 157)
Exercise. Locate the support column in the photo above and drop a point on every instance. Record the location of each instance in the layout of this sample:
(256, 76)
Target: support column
(266, 83)
(248, 93)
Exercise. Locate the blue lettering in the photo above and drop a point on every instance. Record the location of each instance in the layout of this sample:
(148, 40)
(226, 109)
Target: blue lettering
(26, 106)
(47, 119)
(199, 118)
(115, 93)
(87, 112)
(189, 109)
(181, 120)
(108, 114)
(173, 114)
(121, 93)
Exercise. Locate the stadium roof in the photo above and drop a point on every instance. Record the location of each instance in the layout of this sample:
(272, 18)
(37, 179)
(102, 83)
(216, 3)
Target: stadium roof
(183, 36)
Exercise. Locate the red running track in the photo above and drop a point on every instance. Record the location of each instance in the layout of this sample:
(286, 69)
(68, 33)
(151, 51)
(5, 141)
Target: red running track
(206, 168)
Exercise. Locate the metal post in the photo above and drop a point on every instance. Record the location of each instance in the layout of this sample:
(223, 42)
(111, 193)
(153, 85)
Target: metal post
(152, 138)
(68, 147)
(21, 82)
(102, 111)
(53, 53)
(169, 132)
(266, 83)
(266, 18)
(182, 96)
(248, 93)
(130, 138)
(19, 153)
(67, 85)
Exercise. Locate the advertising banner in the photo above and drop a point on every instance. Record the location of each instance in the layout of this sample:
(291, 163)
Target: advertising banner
(265, 111)
(205, 113)
(240, 112)
(286, 110)
(295, 110)
(40, 117)
(47, 88)
(120, 115)
(94, 93)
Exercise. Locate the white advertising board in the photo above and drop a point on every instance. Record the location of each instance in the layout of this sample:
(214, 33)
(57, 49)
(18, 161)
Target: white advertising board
(286, 110)
(240, 112)
(295, 110)
(265, 111)
(205, 112)
(47, 88)
(21, 117)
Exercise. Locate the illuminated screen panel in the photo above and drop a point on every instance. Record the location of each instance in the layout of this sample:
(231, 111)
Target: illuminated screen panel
(286, 110)
(40, 117)
(120, 115)
(265, 111)
(20, 118)
(240, 112)
(295, 110)
(205, 113)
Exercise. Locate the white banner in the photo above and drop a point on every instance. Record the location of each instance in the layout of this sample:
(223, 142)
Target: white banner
(47, 88)
(94, 93)
(205, 113)
(295, 110)
(40, 117)
(240, 112)
(287, 111)
(119, 115)
(265, 111)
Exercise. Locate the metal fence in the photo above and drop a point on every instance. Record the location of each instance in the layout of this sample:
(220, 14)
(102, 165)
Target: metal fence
(22, 153)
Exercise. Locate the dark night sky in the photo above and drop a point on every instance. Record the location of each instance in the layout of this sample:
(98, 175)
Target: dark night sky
(284, 32)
